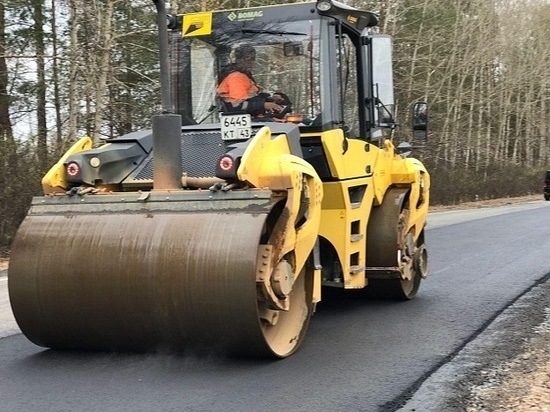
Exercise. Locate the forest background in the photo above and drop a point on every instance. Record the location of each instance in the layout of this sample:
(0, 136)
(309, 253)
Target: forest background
(70, 68)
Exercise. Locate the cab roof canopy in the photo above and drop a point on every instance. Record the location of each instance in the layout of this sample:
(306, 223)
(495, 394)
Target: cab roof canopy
(353, 18)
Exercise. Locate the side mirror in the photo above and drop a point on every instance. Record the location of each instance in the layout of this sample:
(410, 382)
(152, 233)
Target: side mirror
(404, 149)
(293, 48)
(420, 121)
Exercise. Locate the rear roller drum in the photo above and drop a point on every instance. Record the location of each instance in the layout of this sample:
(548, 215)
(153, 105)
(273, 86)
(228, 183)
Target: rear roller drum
(391, 245)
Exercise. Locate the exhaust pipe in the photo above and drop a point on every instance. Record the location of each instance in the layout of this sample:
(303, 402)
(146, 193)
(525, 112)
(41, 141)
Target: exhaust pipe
(167, 169)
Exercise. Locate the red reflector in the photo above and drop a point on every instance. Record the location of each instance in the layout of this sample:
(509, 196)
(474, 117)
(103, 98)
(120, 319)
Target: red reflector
(226, 163)
(73, 169)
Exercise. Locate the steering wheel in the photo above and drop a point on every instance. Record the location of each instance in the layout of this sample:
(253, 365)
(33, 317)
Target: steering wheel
(282, 113)
(282, 100)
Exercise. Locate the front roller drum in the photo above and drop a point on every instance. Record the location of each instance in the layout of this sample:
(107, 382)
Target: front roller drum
(140, 282)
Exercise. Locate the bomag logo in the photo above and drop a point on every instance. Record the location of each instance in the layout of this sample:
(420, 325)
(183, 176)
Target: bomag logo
(244, 15)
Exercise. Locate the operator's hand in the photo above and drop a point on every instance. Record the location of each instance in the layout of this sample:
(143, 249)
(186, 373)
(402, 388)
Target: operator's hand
(273, 107)
(277, 98)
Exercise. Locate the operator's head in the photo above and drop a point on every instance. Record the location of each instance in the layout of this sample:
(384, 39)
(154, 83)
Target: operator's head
(245, 53)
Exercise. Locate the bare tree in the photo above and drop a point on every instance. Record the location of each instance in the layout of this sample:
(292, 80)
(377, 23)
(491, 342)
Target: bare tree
(6, 132)
(55, 81)
(40, 49)
(7, 144)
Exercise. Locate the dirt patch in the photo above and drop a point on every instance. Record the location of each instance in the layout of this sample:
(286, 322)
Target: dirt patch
(487, 203)
(519, 384)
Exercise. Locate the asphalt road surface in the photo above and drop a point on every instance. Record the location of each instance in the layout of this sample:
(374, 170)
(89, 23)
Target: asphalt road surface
(358, 356)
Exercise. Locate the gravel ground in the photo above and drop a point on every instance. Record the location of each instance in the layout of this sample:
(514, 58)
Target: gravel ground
(488, 203)
(513, 373)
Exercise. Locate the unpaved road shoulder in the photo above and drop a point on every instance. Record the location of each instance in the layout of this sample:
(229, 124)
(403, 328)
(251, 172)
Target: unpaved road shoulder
(8, 326)
(505, 368)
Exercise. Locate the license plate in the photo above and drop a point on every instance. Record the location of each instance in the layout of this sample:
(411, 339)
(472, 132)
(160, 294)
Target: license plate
(236, 126)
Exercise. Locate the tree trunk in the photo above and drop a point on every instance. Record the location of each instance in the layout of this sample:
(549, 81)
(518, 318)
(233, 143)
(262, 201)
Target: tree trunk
(74, 109)
(5, 122)
(106, 40)
(42, 129)
(55, 80)
(7, 144)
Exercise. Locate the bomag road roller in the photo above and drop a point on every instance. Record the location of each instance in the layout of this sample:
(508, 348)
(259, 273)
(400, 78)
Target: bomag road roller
(218, 229)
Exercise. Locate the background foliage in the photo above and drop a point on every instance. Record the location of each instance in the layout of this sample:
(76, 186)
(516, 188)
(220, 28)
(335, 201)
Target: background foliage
(70, 68)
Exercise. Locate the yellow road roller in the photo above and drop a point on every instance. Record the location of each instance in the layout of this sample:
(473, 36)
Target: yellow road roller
(218, 228)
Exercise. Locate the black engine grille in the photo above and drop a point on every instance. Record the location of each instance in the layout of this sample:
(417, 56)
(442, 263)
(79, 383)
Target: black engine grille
(199, 153)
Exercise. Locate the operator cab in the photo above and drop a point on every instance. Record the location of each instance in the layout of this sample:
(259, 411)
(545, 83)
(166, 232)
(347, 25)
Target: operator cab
(322, 56)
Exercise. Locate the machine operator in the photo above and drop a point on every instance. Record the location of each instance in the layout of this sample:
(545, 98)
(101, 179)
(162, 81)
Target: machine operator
(238, 90)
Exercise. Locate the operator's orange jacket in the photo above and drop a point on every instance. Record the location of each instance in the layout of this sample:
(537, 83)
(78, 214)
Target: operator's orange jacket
(240, 93)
